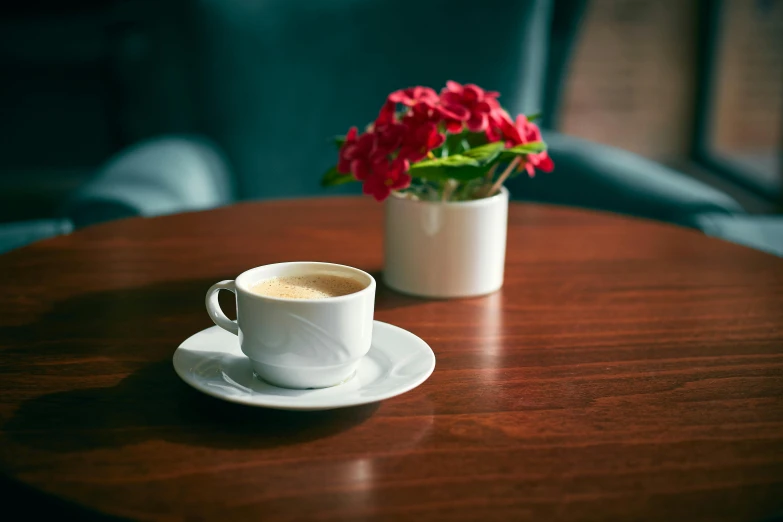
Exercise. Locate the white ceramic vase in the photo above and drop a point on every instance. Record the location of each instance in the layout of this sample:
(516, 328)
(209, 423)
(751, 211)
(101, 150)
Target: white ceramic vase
(446, 250)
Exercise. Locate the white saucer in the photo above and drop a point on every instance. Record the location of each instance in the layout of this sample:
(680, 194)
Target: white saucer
(212, 362)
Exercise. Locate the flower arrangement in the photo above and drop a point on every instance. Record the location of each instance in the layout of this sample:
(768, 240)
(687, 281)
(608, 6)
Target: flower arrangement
(454, 146)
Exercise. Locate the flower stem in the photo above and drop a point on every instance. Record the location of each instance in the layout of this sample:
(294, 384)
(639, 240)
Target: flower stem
(448, 189)
(506, 173)
(491, 172)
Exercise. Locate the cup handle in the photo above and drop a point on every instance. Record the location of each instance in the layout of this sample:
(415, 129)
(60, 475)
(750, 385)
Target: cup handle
(213, 306)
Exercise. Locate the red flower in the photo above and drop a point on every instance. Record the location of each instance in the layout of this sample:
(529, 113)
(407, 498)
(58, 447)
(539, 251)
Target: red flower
(358, 154)
(387, 176)
(422, 134)
(343, 159)
(469, 103)
(521, 132)
(408, 97)
(387, 113)
(453, 117)
(420, 114)
(388, 138)
(418, 141)
(368, 158)
(493, 132)
(413, 95)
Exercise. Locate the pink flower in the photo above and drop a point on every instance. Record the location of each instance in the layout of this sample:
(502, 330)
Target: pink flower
(469, 104)
(387, 176)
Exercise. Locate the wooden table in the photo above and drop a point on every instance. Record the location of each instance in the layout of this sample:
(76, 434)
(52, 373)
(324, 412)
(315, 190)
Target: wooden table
(628, 370)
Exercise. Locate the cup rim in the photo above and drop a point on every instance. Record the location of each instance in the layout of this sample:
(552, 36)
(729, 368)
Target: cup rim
(244, 287)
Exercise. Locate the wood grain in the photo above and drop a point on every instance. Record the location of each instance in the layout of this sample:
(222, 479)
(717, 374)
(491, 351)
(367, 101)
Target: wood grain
(627, 370)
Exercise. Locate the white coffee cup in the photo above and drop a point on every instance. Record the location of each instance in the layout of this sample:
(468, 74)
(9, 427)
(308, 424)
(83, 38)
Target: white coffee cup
(299, 343)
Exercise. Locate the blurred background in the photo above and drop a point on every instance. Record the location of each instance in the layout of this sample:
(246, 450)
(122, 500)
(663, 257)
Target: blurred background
(252, 90)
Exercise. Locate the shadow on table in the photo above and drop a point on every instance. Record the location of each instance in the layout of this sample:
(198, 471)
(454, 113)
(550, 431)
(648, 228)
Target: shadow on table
(152, 404)
(96, 336)
(20, 498)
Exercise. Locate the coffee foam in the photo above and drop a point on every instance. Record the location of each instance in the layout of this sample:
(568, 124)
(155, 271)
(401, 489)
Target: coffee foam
(318, 286)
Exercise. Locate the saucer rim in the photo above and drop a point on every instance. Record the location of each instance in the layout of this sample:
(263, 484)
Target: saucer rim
(338, 403)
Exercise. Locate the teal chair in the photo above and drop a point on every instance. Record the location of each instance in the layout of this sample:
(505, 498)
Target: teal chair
(17, 235)
(153, 178)
(156, 177)
(597, 176)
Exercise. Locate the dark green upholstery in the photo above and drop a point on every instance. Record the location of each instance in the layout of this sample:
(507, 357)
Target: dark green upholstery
(755, 231)
(596, 176)
(161, 176)
(16, 235)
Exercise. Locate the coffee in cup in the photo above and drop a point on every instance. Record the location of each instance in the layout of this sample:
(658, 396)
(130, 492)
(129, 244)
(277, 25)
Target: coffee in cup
(307, 286)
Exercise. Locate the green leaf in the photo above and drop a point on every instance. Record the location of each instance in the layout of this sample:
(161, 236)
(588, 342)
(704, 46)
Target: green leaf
(453, 143)
(338, 141)
(441, 174)
(456, 160)
(475, 139)
(457, 167)
(333, 177)
(485, 153)
(471, 164)
(534, 147)
(427, 172)
(534, 116)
